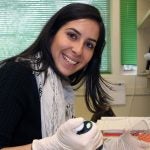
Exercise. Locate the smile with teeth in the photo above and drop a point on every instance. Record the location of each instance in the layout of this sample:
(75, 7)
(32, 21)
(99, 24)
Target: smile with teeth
(69, 60)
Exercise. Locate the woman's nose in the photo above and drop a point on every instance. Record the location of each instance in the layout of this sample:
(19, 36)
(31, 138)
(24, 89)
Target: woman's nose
(78, 48)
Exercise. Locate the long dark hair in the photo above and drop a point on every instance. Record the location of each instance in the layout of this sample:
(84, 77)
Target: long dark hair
(95, 97)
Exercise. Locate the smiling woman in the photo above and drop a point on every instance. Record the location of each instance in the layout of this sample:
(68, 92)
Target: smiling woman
(73, 45)
(39, 108)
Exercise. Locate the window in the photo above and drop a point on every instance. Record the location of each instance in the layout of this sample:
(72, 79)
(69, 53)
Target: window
(128, 20)
(21, 22)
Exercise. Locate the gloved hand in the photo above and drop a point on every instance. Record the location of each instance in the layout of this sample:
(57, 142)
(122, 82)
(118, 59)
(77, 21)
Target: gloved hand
(67, 139)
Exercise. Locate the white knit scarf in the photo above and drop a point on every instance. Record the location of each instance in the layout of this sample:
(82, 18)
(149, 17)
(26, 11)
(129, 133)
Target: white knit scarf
(56, 98)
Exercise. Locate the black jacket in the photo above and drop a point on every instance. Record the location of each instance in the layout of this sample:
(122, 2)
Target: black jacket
(20, 119)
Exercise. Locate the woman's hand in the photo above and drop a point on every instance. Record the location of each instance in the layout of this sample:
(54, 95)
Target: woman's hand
(67, 138)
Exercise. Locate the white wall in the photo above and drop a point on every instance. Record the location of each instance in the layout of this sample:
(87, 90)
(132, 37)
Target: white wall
(137, 94)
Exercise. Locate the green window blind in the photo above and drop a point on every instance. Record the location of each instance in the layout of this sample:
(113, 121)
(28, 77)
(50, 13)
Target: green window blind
(128, 20)
(104, 7)
(22, 20)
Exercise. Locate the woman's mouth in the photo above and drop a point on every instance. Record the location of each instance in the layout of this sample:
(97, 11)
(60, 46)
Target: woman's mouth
(69, 60)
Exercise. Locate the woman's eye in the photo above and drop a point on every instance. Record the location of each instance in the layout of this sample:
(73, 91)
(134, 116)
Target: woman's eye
(90, 45)
(72, 35)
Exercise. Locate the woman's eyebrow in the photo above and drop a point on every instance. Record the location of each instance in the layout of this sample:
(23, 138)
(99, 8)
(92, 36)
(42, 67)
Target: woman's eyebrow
(93, 40)
(75, 30)
(80, 34)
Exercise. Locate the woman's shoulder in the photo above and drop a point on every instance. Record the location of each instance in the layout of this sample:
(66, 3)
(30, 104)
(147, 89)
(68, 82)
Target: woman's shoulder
(15, 71)
(18, 79)
(15, 67)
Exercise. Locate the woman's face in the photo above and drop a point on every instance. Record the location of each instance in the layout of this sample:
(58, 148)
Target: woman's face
(73, 45)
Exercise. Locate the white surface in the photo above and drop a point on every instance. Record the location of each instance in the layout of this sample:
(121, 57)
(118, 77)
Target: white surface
(124, 123)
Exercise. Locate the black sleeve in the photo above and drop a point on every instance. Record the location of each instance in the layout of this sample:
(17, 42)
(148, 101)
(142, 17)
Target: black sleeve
(12, 78)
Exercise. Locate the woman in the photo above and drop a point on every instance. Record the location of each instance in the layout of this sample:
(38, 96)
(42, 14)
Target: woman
(36, 86)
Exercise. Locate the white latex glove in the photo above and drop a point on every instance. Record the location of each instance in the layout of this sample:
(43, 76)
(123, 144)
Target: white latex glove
(67, 139)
